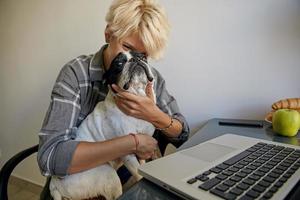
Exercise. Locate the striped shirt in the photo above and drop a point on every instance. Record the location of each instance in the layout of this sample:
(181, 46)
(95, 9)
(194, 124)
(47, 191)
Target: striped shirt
(78, 88)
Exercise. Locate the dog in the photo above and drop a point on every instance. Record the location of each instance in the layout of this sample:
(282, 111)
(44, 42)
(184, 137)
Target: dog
(130, 71)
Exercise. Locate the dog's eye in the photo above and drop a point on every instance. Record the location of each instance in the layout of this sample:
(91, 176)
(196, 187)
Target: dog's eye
(126, 47)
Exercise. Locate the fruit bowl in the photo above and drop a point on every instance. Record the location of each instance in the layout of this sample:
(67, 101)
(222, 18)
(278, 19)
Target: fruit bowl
(269, 116)
(290, 103)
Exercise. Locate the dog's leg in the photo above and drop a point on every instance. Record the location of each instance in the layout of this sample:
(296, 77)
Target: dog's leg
(132, 164)
(54, 191)
(131, 181)
(136, 177)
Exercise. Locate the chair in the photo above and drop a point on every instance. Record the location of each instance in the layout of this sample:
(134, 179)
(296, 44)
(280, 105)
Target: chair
(9, 167)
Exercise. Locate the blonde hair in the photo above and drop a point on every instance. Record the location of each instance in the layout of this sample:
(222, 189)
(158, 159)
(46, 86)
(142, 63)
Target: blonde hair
(144, 17)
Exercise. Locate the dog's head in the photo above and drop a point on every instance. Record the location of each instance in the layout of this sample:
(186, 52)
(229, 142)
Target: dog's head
(130, 71)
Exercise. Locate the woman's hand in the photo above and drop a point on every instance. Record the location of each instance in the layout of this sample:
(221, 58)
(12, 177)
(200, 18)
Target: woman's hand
(137, 106)
(146, 146)
(146, 109)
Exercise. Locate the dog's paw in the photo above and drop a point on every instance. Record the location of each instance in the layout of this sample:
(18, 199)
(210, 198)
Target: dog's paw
(129, 183)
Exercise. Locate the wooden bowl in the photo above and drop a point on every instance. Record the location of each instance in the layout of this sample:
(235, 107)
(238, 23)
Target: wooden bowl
(269, 116)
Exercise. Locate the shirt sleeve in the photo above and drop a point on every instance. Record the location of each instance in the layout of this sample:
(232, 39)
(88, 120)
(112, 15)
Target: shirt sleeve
(167, 103)
(56, 138)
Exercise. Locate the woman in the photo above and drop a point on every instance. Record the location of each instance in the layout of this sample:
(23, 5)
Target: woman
(138, 25)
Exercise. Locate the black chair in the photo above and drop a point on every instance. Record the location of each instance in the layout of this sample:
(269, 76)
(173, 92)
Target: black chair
(9, 167)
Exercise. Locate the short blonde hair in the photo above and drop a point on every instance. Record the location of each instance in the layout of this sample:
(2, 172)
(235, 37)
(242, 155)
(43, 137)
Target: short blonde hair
(144, 17)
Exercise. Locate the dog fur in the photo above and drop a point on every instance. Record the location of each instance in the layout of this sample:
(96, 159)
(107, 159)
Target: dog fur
(131, 72)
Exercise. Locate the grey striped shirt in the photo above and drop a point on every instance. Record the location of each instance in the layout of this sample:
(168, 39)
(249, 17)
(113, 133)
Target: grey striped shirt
(77, 90)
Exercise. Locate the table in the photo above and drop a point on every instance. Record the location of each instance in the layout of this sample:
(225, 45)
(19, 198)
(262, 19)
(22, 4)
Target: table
(145, 190)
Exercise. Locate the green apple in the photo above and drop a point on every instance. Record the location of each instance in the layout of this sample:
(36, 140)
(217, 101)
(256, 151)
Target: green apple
(286, 122)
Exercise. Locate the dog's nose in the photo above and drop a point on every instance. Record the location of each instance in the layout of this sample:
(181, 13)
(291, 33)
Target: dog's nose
(150, 78)
(126, 86)
(147, 71)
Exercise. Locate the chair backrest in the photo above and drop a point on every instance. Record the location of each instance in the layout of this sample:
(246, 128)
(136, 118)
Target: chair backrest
(9, 167)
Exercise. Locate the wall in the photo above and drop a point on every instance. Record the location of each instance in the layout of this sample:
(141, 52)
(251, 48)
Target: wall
(228, 59)
(37, 39)
(232, 58)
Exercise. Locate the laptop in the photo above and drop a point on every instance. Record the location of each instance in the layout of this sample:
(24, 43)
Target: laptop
(228, 167)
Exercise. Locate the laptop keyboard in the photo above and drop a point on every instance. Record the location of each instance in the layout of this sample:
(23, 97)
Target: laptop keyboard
(257, 172)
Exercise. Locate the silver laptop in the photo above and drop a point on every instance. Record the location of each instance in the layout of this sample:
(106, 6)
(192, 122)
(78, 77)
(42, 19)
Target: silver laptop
(228, 167)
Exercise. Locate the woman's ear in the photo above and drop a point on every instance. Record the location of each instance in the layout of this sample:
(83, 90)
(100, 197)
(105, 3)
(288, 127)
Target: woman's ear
(107, 34)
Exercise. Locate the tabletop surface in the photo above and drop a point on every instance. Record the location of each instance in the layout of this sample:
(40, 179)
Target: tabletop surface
(145, 190)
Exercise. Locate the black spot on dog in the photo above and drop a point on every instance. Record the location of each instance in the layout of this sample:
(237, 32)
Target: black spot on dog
(115, 69)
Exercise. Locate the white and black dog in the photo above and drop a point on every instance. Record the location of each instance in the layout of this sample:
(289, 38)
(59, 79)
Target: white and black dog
(131, 72)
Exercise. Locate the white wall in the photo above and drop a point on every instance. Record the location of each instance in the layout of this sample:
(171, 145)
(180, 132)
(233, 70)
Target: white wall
(226, 58)
(37, 38)
(232, 58)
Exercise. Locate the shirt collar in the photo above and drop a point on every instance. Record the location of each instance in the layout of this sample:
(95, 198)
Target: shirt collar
(96, 67)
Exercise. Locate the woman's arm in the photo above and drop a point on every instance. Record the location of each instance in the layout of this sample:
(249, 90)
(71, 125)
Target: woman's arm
(91, 154)
(145, 108)
(170, 126)
(56, 138)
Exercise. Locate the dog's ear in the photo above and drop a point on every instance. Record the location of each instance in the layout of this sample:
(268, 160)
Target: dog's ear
(116, 67)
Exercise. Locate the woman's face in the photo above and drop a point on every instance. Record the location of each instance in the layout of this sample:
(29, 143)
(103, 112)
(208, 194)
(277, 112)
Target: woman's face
(130, 43)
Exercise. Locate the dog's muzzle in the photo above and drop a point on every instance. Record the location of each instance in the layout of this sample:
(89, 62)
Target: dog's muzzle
(138, 66)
